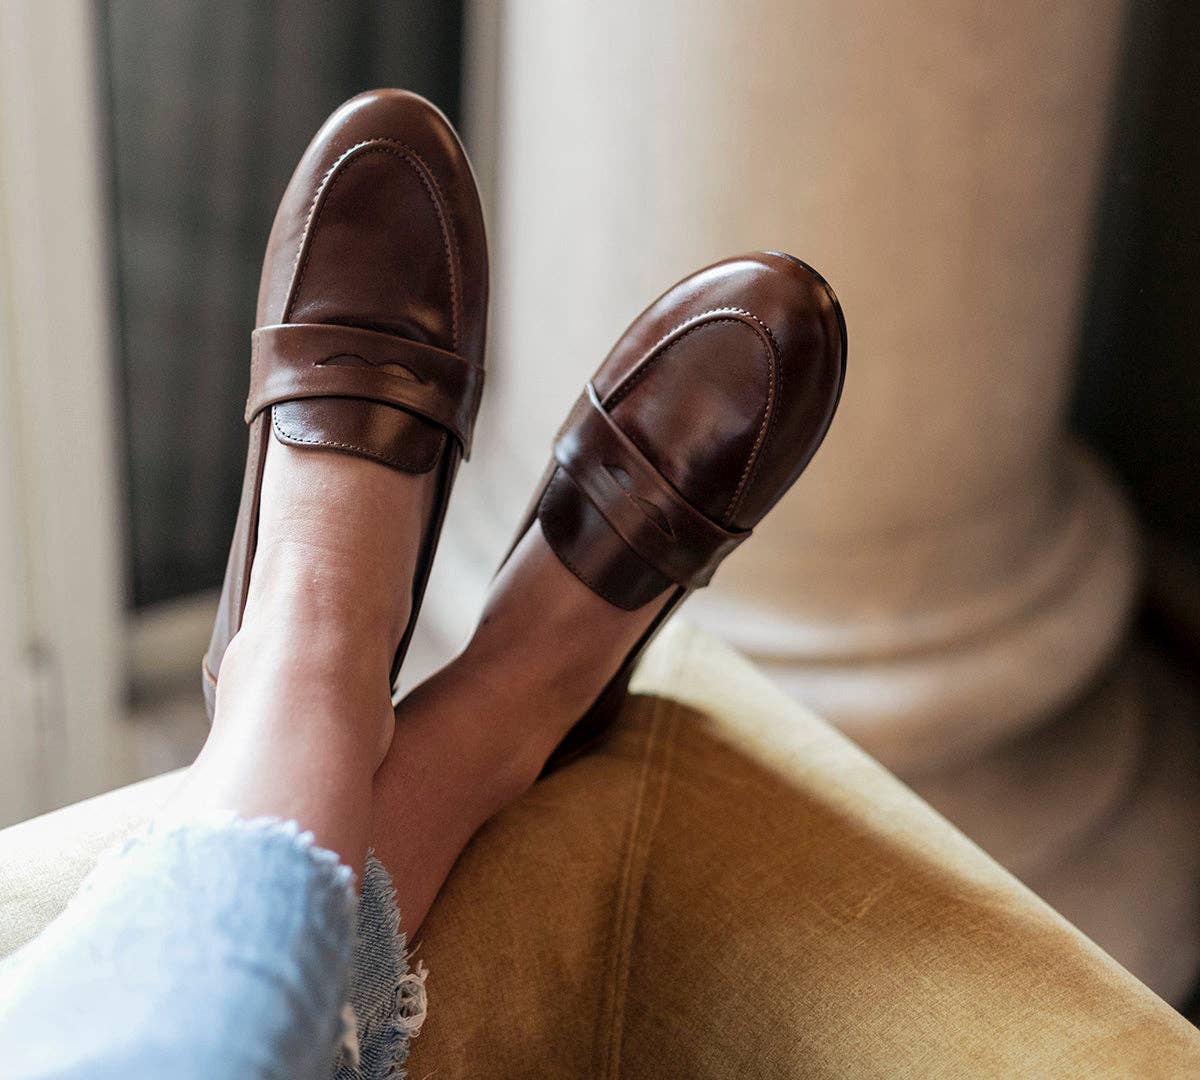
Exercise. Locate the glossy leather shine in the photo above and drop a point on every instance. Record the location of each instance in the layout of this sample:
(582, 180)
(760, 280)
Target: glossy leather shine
(698, 421)
(371, 319)
(725, 387)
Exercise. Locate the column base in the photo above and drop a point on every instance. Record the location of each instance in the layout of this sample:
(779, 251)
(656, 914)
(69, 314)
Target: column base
(1097, 813)
(930, 647)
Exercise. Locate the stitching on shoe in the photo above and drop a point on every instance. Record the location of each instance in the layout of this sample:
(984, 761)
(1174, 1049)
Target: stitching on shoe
(650, 355)
(774, 375)
(449, 238)
(424, 173)
(287, 436)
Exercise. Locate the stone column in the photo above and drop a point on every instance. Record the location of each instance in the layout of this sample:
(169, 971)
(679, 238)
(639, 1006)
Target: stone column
(953, 577)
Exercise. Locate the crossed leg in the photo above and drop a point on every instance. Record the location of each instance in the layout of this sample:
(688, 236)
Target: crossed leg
(304, 727)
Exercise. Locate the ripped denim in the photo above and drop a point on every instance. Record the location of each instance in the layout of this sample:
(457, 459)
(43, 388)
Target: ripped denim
(213, 949)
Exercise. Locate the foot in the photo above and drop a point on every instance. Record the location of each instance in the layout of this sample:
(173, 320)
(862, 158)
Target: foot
(368, 346)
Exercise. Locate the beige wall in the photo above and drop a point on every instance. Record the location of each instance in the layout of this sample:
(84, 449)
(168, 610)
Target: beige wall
(61, 650)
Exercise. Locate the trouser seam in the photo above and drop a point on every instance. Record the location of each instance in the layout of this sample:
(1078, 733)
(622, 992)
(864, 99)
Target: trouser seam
(648, 803)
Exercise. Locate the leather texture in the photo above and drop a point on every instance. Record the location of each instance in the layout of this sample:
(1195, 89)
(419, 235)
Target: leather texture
(371, 320)
(639, 505)
(296, 361)
(705, 412)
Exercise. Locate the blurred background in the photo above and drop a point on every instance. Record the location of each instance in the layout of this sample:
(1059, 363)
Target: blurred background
(990, 577)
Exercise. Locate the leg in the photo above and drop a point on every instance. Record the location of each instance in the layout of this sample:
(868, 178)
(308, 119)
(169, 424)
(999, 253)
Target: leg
(211, 947)
(303, 706)
(476, 735)
(222, 946)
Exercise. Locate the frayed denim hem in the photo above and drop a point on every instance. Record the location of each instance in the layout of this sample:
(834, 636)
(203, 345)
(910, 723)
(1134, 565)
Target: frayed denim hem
(387, 998)
(331, 873)
(216, 947)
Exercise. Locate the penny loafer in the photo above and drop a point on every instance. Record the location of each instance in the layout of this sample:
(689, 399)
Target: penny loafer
(371, 320)
(703, 415)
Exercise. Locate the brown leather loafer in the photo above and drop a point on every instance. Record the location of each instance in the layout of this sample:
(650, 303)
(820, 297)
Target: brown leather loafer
(702, 416)
(371, 319)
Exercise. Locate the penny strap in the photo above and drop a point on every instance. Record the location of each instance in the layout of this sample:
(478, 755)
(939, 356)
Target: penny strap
(293, 361)
(636, 500)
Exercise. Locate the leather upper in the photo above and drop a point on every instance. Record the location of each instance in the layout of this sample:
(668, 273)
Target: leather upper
(372, 311)
(299, 361)
(379, 228)
(701, 417)
(636, 501)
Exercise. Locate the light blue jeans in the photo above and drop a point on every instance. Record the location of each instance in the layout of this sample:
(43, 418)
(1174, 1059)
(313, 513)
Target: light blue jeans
(213, 949)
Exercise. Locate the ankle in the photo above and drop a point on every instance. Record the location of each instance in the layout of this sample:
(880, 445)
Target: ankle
(564, 661)
(533, 701)
(319, 601)
(316, 688)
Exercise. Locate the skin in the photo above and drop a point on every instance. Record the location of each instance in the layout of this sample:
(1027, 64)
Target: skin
(304, 727)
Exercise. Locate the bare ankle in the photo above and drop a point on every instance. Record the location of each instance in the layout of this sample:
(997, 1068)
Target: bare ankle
(306, 686)
(317, 592)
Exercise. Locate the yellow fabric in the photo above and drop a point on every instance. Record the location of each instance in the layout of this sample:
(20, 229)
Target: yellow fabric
(42, 861)
(724, 888)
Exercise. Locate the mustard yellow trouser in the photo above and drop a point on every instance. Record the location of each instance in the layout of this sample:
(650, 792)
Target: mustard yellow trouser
(724, 888)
